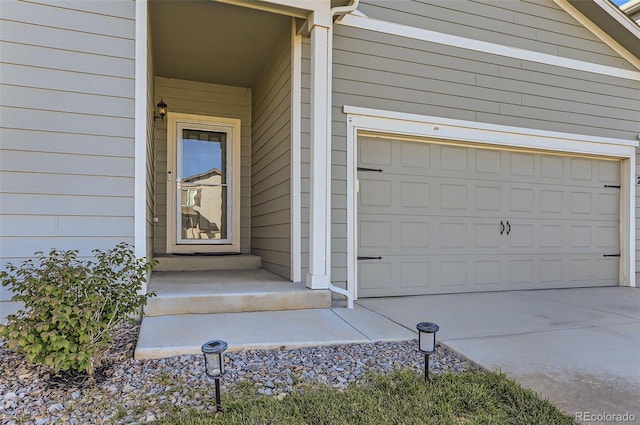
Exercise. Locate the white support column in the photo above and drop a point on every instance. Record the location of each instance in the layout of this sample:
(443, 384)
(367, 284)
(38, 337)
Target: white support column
(140, 137)
(319, 236)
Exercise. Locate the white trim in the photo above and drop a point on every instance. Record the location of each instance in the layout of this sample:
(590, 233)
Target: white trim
(296, 114)
(320, 188)
(231, 126)
(628, 223)
(140, 135)
(429, 126)
(352, 208)
(483, 46)
(598, 32)
(470, 133)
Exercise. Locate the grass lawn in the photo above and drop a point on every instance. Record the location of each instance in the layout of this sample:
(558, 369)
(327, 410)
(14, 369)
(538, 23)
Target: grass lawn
(466, 398)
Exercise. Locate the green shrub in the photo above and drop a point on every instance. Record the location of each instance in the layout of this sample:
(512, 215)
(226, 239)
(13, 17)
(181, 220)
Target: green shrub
(71, 306)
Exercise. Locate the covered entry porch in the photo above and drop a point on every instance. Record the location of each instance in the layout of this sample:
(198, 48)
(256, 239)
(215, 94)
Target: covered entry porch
(228, 182)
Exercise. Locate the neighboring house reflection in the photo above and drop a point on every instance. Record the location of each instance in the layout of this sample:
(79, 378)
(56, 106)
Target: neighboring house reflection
(203, 201)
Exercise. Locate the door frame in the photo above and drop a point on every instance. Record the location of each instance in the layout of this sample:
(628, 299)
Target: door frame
(390, 124)
(232, 127)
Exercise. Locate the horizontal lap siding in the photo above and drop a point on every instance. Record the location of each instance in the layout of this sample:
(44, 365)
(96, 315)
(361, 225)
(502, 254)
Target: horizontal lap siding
(66, 127)
(214, 100)
(540, 26)
(393, 73)
(271, 163)
(305, 156)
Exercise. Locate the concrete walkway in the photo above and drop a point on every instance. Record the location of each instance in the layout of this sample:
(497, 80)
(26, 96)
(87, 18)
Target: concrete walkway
(580, 348)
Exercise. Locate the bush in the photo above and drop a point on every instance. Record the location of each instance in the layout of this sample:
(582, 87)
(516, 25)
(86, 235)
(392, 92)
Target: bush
(71, 306)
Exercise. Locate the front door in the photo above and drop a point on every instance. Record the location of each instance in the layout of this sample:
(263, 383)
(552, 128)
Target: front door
(203, 181)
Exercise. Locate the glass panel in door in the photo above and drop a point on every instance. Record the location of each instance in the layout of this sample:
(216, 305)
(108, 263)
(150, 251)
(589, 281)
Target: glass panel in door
(203, 192)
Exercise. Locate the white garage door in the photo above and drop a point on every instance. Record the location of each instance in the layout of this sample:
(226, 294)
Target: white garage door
(446, 218)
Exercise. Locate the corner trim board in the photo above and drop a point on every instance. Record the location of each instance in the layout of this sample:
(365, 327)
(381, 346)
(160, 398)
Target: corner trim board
(141, 118)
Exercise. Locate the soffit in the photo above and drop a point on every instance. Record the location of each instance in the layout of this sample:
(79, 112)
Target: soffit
(213, 42)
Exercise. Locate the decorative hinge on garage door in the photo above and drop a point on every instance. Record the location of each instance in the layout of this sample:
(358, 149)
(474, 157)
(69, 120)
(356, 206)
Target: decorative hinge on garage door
(370, 258)
(377, 170)
(612, 185)
(611, 255)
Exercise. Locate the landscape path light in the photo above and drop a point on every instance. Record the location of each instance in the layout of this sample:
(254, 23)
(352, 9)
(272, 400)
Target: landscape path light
(427, 343)
(214, 364)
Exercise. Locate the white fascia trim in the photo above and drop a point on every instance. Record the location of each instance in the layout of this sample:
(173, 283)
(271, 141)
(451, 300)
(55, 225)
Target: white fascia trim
(140, 135)
(598, 32)
(484, 46)
(296, 186)
(399, 124)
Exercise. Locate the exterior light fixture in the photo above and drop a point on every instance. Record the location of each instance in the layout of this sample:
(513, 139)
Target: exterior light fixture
(427, 343)
(214, 364)
(162, 110)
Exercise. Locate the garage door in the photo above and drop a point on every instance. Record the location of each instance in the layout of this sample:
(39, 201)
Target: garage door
(436, 218)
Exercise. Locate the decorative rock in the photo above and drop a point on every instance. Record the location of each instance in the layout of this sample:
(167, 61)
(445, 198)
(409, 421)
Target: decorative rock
(55, 407)
(151, 387)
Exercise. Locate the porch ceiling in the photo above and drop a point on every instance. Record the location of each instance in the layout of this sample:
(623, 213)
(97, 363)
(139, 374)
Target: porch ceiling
(212, 42)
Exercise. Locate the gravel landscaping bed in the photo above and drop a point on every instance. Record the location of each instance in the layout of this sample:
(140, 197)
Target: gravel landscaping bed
(138, 391)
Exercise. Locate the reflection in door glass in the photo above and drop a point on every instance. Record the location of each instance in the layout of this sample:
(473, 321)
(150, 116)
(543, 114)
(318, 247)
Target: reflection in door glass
(203, 192)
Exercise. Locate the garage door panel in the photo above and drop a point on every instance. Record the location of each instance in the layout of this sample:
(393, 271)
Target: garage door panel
(488, 198)
(608, 238)
(487, 235)
(376, 234)
(434, 216)
(488, 273)
(488, 163)
(415, 155)
(415, 234)
(415, 194)
(376, 193)
(415, 274)
(375, 275)
(376, 151)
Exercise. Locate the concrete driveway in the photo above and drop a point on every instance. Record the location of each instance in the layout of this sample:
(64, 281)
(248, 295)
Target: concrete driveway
(580, 348)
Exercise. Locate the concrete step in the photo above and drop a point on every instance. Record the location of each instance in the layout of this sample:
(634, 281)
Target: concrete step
(228, 291)
(207, 262)
(166, 336)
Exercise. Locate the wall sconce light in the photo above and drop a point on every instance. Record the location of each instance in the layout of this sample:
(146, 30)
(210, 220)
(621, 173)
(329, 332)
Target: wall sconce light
(427, 343)
(162, 110)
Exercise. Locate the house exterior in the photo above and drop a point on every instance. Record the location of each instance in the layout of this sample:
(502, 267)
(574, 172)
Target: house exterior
(632, 9)
(373, 148)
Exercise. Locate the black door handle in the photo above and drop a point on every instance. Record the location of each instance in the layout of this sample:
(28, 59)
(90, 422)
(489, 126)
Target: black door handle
(508, 227)
(501, 227)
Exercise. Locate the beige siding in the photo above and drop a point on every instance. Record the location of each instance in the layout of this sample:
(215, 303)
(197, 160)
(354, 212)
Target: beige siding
(537, 25)
(66, 126)
(202, 99)
(387, 72)
(271, 163)
(305, 156)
